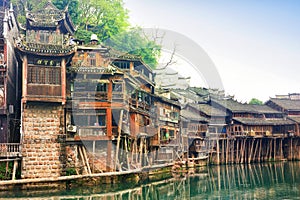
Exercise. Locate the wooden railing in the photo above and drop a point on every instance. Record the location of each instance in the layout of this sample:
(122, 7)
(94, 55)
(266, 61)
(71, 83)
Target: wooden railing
(10, 149)
(92, 131)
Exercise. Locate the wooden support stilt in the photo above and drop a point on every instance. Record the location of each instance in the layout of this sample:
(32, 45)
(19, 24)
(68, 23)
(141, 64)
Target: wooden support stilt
(221, 145)
(227, 150)
(270, 149)
(251, 150)
(243, 150)
(260, 150)
(237, 151)
(146, 151)
(118, 141)
(141, 150)
(127, 156)
(291, 149)
(218, 152)
(232, 150)
(274, 149)
(255, 151)
(281, 150)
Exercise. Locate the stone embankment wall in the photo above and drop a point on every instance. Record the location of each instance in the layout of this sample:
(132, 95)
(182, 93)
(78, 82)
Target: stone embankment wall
(43, 141)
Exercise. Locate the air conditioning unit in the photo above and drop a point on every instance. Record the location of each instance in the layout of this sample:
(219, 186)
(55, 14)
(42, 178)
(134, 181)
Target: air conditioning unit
(71, 128)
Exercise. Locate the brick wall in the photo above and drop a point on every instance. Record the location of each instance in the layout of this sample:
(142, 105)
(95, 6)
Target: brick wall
(43, 142)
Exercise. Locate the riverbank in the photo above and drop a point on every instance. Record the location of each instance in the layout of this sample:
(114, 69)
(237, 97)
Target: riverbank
(149, 173)
(272, 180)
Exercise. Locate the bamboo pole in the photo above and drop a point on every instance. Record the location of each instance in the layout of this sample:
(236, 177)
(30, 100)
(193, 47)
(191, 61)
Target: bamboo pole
(82, 159)
(94, 147)
(86, 159)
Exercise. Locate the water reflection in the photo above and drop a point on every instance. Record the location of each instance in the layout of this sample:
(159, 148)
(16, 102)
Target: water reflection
(261, 181)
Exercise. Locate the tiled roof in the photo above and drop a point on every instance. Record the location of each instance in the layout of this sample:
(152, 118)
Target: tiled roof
(295, 118)
(237, 107)
(263, 121)
(208, 109)
(287, 104)
(192, 116)
(188, 94)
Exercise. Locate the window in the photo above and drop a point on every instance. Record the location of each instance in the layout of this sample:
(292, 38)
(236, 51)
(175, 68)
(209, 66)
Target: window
(171, 133)
(101, 87)
(122, 65)
(101, 116)
(163, 134)
(44, 75)
(44, 37)
(90, 118)
(117, 87)
(92, 59)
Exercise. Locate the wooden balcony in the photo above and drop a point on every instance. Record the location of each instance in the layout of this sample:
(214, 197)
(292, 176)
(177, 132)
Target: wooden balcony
(10, 150)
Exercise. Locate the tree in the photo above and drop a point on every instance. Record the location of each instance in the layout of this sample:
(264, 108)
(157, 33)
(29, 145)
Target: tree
(135, 42)
(255, 101)
(108, 19)
(103, 17)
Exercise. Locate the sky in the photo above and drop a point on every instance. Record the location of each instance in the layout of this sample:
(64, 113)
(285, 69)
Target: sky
(254, 44)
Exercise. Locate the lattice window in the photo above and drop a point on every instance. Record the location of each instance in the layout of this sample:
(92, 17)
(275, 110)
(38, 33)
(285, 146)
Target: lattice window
(44, 75)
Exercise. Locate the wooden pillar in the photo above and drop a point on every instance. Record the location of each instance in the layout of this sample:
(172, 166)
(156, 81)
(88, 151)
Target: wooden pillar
(63, 81)
(227, 150)
(15, 169)
(237, 152)
(24, 77)
(291, 149)
(251, 150)
(109, 135)
(274, 149)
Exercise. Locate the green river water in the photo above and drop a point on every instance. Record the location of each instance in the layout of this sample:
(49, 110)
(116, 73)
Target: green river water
(256, 181)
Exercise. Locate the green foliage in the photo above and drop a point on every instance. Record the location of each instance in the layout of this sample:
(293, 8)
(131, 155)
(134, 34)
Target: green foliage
(84, 35)
(255, 101)
(70, 171)
(135, 42)
(104, 17)
(108, 19)
(5, 174)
